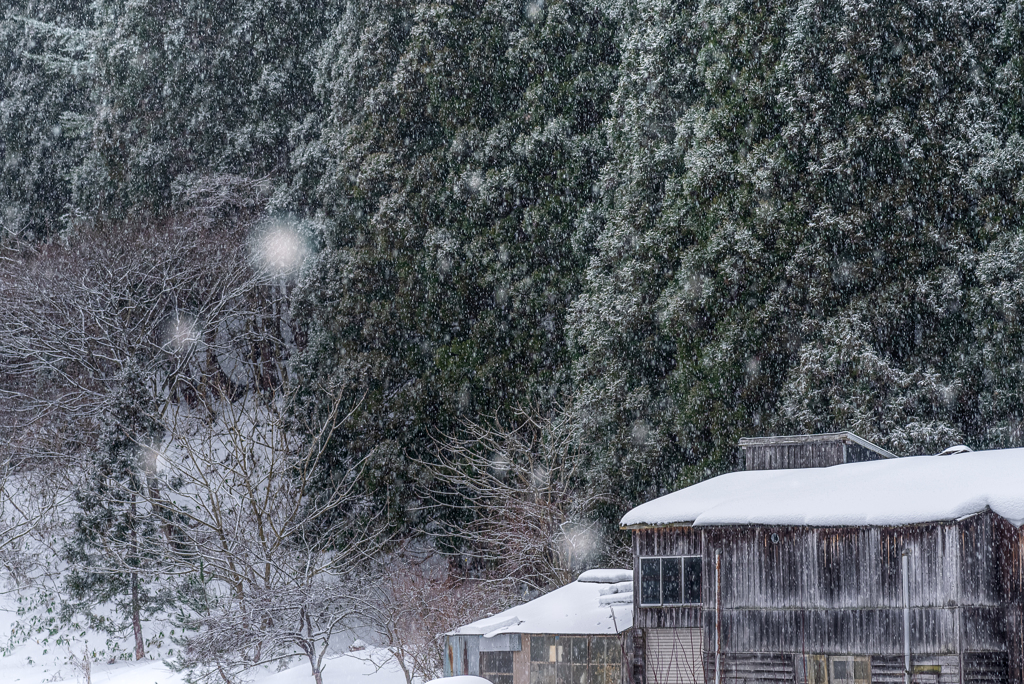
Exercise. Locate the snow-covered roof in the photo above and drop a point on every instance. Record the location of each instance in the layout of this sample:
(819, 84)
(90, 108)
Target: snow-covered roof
(599, 602)
(899, 491)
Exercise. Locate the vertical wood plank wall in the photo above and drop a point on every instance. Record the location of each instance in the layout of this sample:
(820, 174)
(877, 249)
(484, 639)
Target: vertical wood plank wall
(784, 456)
(839, 591)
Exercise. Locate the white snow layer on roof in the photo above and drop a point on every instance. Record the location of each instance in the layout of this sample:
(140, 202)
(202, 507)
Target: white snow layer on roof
(582, 607)
(898, 491)
(606, 576)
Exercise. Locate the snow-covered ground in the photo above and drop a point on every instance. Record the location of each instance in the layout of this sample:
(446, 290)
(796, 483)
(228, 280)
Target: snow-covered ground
(344, 669)
(41, 659)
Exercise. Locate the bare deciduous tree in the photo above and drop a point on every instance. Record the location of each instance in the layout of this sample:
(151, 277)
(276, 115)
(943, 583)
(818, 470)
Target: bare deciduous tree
(416, 600)
(275, 563)
(186, 304)
(31, 499)
(521, 504)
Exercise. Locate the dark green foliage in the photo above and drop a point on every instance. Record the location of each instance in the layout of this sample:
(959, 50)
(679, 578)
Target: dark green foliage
(811, 220)
(45, 112)
(196, 94)
(112, 553)
(452, 190)
(693, 221)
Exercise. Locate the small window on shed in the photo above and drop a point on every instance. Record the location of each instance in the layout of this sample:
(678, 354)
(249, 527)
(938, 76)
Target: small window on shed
(670, 581)
(822, 669)
(850, 670)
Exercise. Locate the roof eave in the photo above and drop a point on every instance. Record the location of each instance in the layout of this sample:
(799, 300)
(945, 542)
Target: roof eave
(650, 526)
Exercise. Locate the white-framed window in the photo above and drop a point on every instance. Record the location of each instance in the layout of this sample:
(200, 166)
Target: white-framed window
(670, 580)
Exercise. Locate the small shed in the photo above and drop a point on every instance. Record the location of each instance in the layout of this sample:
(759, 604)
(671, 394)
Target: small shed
(867, 568)
(578, 634)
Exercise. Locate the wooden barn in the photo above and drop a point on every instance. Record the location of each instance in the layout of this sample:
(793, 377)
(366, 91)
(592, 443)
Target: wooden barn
(577, 634)
(825, 560)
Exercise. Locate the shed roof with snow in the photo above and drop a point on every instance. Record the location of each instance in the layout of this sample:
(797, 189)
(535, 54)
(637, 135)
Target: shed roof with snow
(600, 602)
(895, 491)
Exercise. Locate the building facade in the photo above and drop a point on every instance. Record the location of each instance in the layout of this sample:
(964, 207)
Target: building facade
(870, 569)
(577, 634)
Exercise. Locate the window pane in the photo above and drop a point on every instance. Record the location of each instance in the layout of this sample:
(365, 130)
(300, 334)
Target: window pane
(540, 648)
(563, 674)
(495, 662)
(579, 674)
(862, 669)
(605, 674)
(671, 580)
(691, 580)
(818, 673)
(577, 650)
(841, 670)
(499, 679)
(597, 649)
(650, 581)
(542, 673)
(614, 651)
(604, 650)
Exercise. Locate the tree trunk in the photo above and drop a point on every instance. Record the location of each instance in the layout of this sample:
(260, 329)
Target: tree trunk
(140, 645)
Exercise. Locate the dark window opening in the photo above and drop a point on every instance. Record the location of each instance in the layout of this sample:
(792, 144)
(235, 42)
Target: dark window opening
(650, 581)
(692, 579)
(670, 581)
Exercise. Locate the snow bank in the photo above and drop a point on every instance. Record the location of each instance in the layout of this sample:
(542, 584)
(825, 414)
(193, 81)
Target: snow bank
(460, 679)
(899, 491)
(576, 608)
(343, 669)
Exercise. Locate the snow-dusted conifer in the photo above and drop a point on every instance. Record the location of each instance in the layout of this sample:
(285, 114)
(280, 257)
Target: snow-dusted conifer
(113, 552)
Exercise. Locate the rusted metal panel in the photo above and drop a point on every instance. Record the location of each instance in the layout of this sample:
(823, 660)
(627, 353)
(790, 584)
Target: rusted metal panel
(462, 655)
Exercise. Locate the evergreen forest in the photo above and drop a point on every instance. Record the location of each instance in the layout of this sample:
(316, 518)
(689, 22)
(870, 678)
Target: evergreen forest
(421, 248)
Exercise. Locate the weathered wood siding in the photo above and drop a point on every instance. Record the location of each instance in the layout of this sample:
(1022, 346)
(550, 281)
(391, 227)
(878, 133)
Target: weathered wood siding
(521, 662)
(790, 590)
(798, 455)
(668, 541)
(803, 451)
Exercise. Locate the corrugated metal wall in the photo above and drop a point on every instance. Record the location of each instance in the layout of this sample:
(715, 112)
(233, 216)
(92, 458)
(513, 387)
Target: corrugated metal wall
(674, 656)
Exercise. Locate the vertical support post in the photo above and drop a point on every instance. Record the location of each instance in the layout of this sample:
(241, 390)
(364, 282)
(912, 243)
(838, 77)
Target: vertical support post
(718, 617)
(906, 617)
